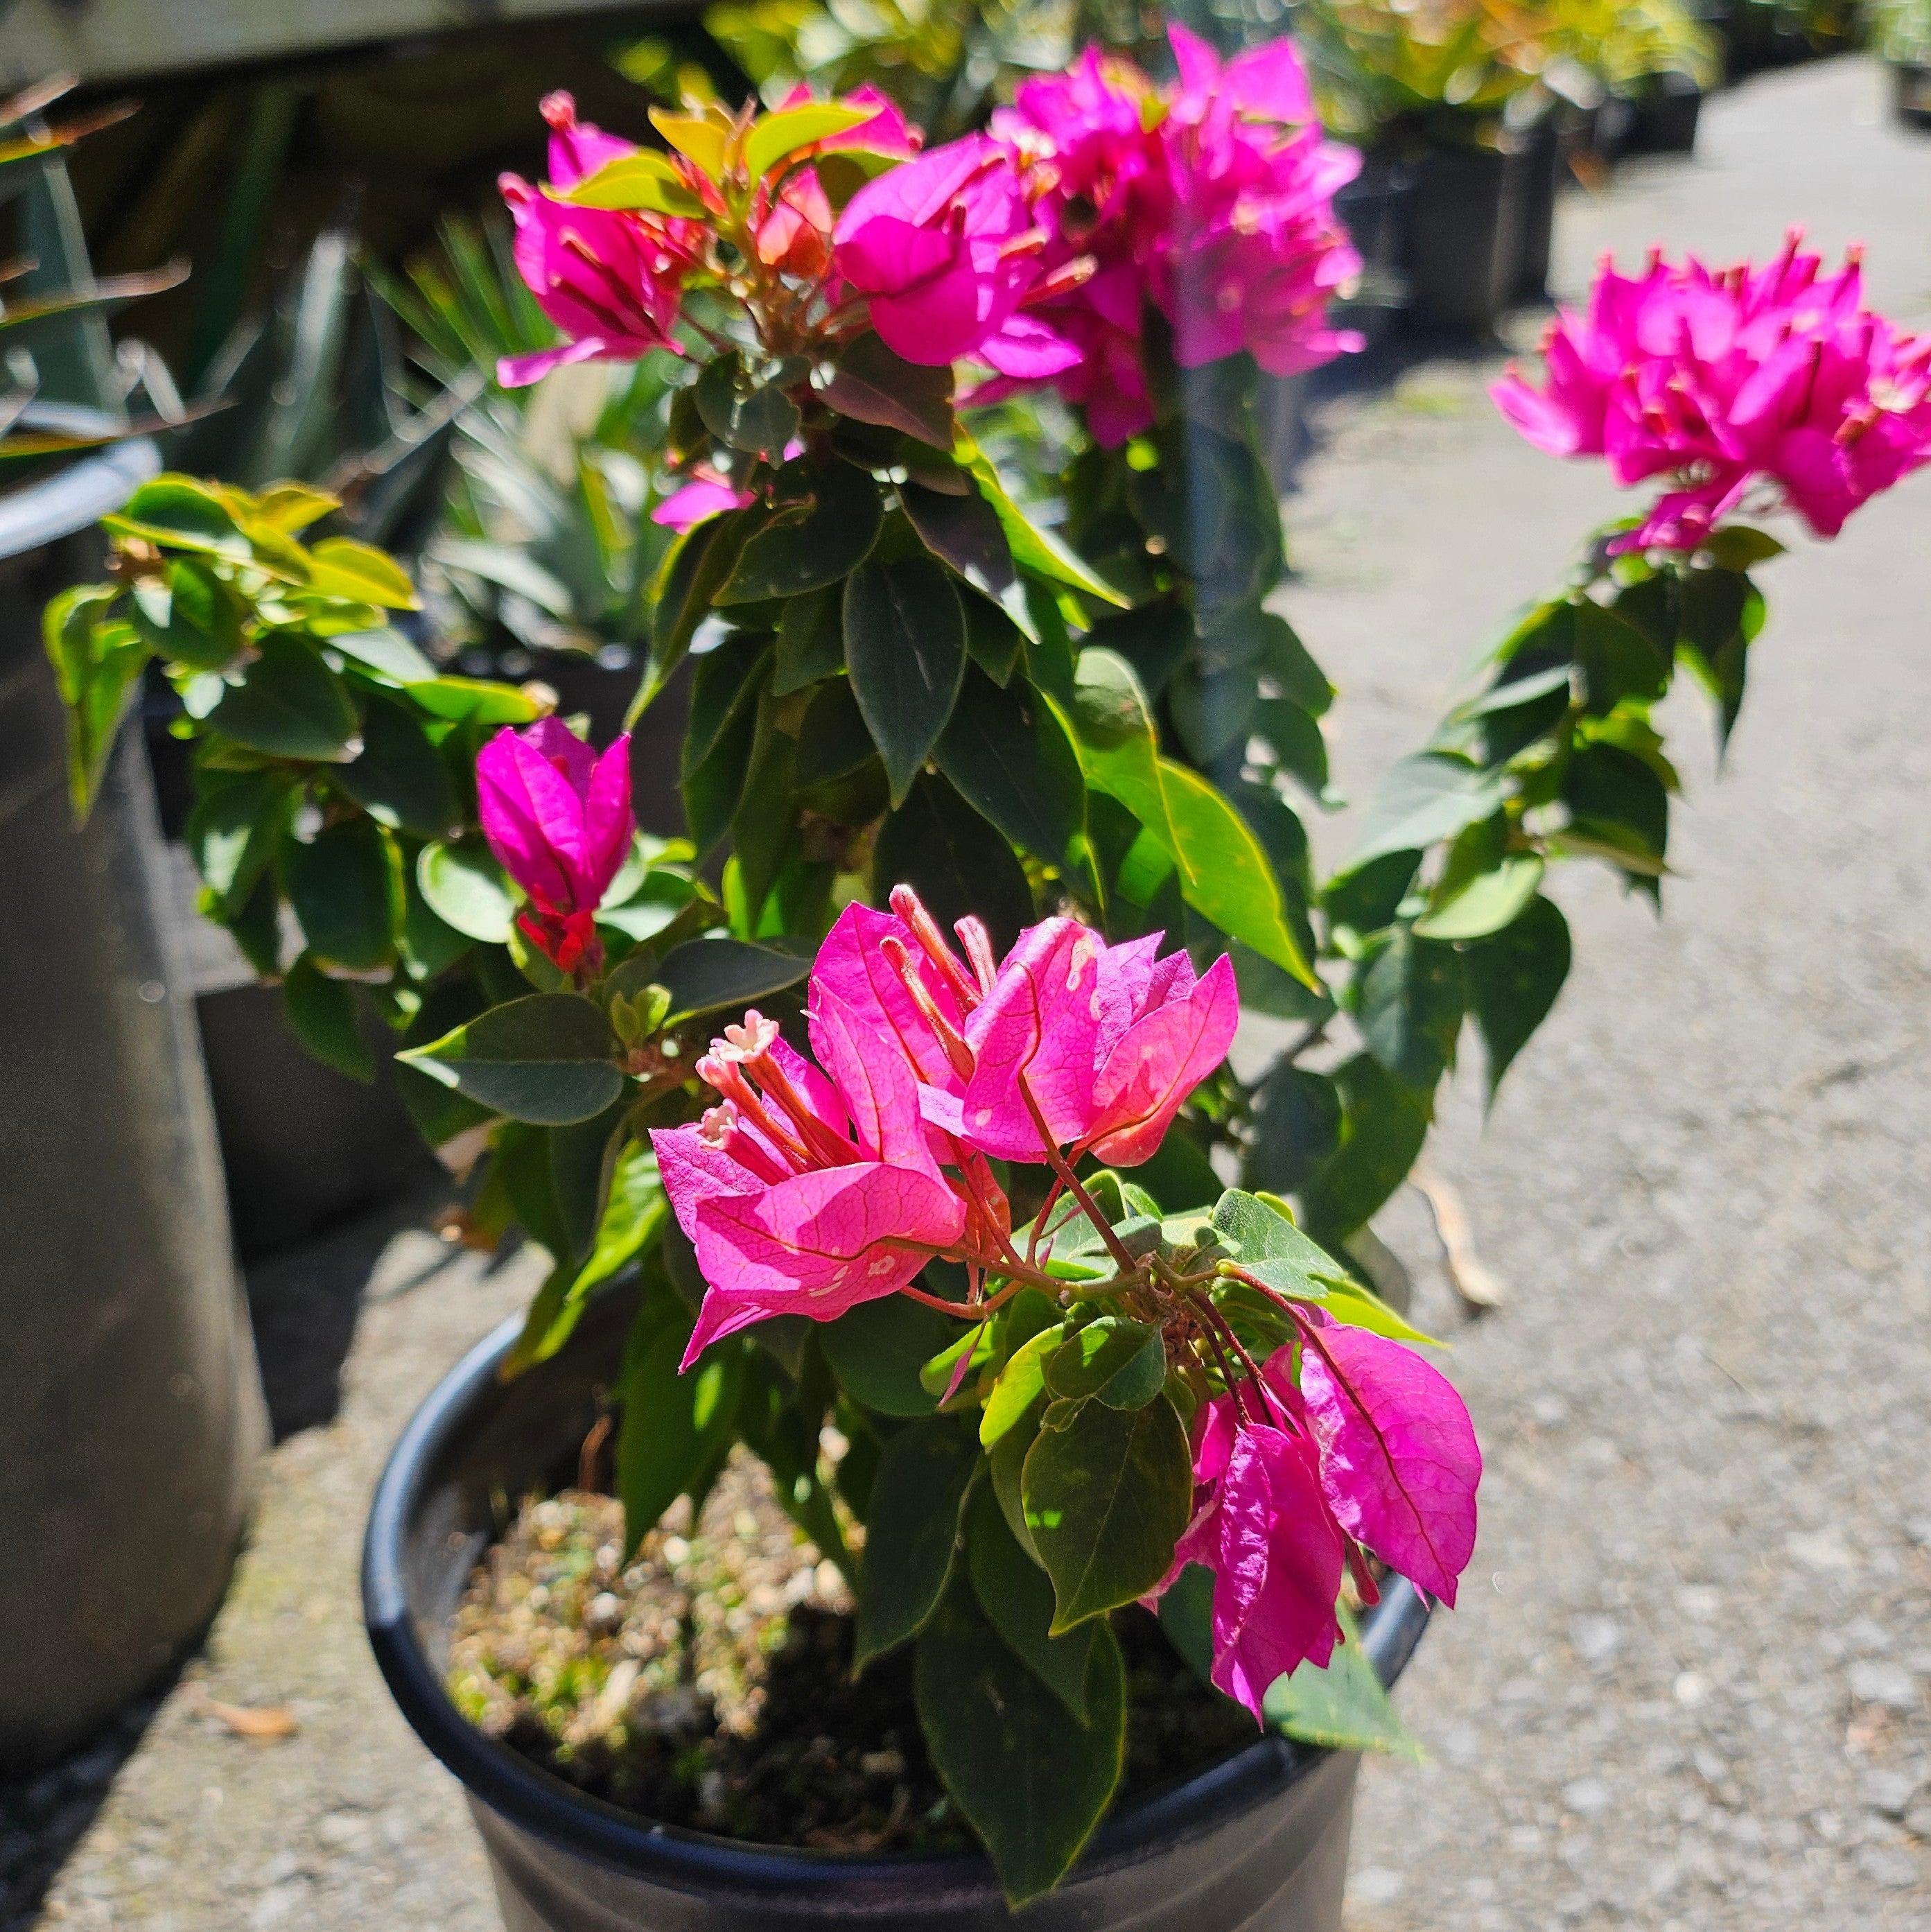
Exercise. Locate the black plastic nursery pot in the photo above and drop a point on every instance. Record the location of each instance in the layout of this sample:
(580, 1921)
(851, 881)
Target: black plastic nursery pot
(1464, 235)
(130, 1413)
(1666, 117)
(1259, 1840)
(1911, 94)
(1542, 168)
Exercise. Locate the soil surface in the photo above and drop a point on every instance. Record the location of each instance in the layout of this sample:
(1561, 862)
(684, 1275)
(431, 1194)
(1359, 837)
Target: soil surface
(708, 1682)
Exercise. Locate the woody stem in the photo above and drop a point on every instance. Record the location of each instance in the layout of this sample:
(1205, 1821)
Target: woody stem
(1056, 1161)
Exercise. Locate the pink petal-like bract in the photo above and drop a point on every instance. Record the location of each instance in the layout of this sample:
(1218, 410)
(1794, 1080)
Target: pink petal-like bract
(1399, 1459)
(1159, 1060)
(852, 963)
(1726, 381)
(1277, 1568)
(817, 1244)
(1040, 1023)
(696, 503)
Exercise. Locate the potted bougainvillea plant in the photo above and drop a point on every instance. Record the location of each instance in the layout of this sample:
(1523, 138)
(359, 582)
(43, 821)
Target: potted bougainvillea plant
(876, 1131)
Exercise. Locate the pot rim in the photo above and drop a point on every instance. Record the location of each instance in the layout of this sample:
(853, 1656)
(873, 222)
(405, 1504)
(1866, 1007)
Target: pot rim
(551, 1809)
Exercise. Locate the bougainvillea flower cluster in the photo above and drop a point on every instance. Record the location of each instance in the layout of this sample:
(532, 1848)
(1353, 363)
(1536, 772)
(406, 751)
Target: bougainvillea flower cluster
(1726, 382)
(809, 1189)
(557, 815)
(1214, 197)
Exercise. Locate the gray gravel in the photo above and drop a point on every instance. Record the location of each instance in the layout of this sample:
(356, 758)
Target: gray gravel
(1685, 1689)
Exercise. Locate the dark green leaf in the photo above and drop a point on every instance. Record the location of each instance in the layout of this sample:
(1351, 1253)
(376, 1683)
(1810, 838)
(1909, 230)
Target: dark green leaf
(1618, 660)
(1613, 794)
(1016, 1596)
(965, 533)
(1213, 711)
(1038, 551)
(1008, 755)
(1513, 979)
(1031, 1784)
(1343, 1707)
(1121, 1363)
(321, 1015)
(870, 384)
(673, 1425)
(833, 741)
(345, 886)
(1187, 1618)
(1423, 799)
(698, 563)
(465, 888)
(191, 618)
(1106, 1500)
(764, 828)
(547, 1060)
(905, 644)
(289, 704)
(1297, 1127)
(704, 974)
(1155, 639)
(232, 831)
(876, 1349)
(810, 641)
(1409, 1000)
(1296, 735)
(398, 779)
(938, 845)
(812, 546)
(1383, 1124)
(1366, 897)
(912, 1532)
(758, 418)
(993, 641)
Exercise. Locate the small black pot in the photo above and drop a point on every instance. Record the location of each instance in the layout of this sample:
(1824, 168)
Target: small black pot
(1911, 94)
(1259, 1841)
(1666, 117)
(1464, 235)
(1542, 168)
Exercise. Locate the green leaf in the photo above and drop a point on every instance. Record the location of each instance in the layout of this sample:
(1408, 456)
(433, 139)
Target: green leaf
(911, 1532)
(1348, 1302)
(388, 653)
(471, 701)
(1019, 1385)
(877, 1350)
(938, 845)
(546, 1060)
(1485, 903)
(1015, 1594)
(191, 618)
(810, 641)
(697, 564)
(1009, 757)
(1615, 797)
(1343, 1707)
(743, 413)
(358, 572)
(289, 704)
(1384, 1122)
(321, 1014)
(1268, 1245)
(467, 889)
(1031, 1785)
(1618, 660)
(674, 1426)
(1423, 799)
(1032, 549)
(1513, 979)
(98, 666)
(965, 533)
(641, 180)
(870, 384)
(1121, 1363)
(812, 545)
(993, 640)
(905, 644)
(1187, 1618)
(704, 974)
(1409, 1000)
(774, 137)
(345, 886)
(1296, 735)
(1106, 1499)
(1366, 899)
(232, 831)
(1225, 874)
(179, 513)
(398, 778)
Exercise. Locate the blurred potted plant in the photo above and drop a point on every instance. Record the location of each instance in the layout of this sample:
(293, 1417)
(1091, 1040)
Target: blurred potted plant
(130, 1412)
(1901, 37)
(1652, 61)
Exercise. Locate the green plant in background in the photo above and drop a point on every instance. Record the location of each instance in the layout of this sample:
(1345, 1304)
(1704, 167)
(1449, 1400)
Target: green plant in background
(1900, 31)
(62, 387)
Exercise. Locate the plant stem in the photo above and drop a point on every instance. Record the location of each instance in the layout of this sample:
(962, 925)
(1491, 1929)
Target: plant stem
(1056, 1161)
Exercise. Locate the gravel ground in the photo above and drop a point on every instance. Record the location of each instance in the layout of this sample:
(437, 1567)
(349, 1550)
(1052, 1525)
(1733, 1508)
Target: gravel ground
(1686, 1690)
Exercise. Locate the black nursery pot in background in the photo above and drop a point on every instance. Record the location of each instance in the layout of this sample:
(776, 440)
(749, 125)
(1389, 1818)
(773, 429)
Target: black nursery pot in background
(1465, 235)
(130, 1412)
(1257, 1844)
(1543, 167)
(1666, 117)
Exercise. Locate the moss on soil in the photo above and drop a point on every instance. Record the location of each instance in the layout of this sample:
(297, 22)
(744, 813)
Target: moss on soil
(708, 1683)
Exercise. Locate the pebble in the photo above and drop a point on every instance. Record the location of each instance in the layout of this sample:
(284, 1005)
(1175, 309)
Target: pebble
(1889, 1791)
(1888, 1865)
(1376, 1885)
(1588, 1797)
(1874, 1681)
(1596, 1639)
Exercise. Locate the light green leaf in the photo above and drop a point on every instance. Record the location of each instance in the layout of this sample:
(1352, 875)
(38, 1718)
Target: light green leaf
(774, 137)
(1343, 1707)
(467, 889)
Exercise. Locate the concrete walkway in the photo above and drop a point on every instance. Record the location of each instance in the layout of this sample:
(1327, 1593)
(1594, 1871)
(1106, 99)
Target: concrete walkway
(1686, 1690)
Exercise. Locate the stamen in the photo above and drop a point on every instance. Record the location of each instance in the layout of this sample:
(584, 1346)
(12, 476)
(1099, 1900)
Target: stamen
(949, 1037)
(907, 904)
(832, 1147)
(978, 944)
(727, 1077)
